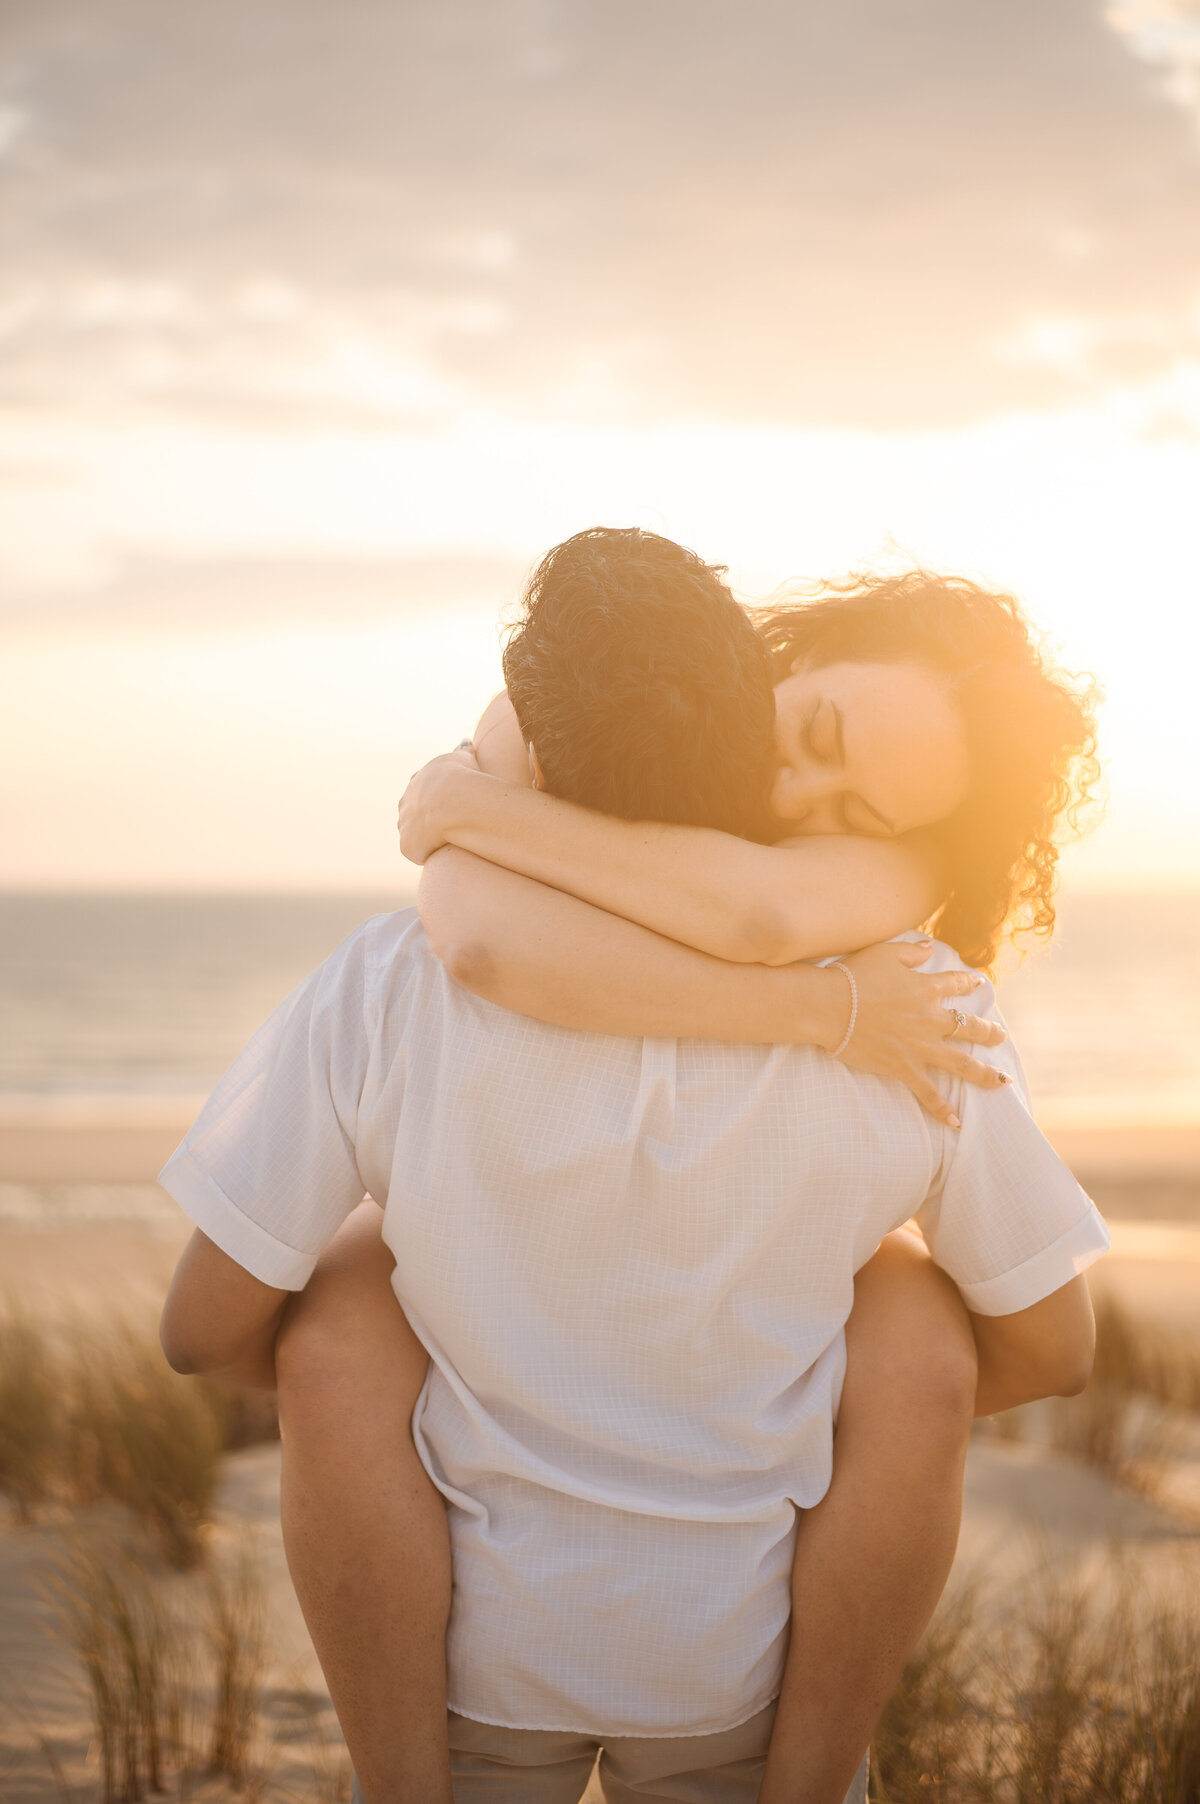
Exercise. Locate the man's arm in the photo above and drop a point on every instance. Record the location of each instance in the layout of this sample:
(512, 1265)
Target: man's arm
(218, 1321)
(1044, 1351)
(1008, 1222)
(499, 748)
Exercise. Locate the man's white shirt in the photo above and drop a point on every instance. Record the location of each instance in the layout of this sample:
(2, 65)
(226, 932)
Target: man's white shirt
(631, 1262)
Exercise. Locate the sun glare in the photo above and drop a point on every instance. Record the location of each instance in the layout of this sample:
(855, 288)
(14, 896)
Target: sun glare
(1081, 515)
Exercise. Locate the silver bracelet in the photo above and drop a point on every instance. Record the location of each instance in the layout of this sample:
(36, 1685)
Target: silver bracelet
(840, 1048)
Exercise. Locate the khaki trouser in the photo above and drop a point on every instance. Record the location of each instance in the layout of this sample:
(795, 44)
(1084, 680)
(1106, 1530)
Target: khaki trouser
(491, 1765)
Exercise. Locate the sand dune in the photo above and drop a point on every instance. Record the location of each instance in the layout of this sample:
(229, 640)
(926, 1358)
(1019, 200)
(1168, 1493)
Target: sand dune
(83, 1226)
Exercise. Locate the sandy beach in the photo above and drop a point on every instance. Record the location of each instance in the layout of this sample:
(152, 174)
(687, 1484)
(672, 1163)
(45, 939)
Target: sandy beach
(69, 1140)
(795, 413)
(83, 1221)
(84, 1229)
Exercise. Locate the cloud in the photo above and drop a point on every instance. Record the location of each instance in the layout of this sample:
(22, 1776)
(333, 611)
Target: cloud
(183, 594)
(827, 214)
(1165, 34)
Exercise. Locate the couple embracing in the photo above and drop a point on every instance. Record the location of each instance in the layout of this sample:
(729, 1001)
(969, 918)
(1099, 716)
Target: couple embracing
(683, 1148)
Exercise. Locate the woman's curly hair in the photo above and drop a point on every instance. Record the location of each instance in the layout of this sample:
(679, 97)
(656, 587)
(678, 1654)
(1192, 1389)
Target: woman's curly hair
(1031, 733)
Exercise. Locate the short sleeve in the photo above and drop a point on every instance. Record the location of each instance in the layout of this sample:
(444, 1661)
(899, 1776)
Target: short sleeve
(268, 1171)
(1006, 1219)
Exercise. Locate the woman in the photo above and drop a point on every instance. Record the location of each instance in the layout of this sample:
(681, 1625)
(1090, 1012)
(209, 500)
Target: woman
(927, 755)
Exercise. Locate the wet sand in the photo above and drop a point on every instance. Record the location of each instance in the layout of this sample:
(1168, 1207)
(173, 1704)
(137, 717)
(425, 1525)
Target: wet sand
(1154, 1172)
(83, 1222)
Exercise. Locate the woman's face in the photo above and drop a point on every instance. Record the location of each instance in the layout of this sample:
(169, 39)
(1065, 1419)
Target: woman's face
(866, 748)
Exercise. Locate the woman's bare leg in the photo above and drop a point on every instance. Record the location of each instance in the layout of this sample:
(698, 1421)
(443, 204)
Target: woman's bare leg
(364, 1529)
(873, 1557)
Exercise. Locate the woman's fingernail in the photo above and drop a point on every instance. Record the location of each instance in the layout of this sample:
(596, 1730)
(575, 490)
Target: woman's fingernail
(976, 979)
(1005, 1077)
(953, 1121)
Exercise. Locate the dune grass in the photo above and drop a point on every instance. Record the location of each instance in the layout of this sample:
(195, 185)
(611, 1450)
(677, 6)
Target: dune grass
(121, 1624)
(174, 1667)
(1138, 1357)
(236, 1638)
(138, 1433)
(31, 1445)
(1060, 1691)
(1057, 1698)
(1126, 1424)
(1048, 1700)
(90, 1412)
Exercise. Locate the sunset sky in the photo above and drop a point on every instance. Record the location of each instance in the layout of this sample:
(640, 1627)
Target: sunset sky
(318, 324)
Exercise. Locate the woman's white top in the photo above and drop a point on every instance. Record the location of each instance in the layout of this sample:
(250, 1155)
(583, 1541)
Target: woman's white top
(631, 1262)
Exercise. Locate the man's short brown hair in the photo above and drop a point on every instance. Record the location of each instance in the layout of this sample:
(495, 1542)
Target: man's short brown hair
(641, 684)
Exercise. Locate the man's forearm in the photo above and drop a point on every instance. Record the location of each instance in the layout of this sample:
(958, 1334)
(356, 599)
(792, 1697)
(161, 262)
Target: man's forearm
(1043, 1351)
(220, 1322)
(1005, 1385)
(250, 1361)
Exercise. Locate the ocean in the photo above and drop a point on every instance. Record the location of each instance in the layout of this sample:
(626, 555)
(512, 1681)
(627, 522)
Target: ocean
(141, 1001)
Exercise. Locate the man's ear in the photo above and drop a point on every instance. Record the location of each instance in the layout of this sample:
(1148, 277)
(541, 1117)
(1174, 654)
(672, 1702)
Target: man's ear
(535, 770)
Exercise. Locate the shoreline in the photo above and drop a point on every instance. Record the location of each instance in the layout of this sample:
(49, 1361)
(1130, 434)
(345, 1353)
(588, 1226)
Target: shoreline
(84, 1227)
(67, 1139)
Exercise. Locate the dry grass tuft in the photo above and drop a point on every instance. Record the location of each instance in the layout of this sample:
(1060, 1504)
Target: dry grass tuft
(1055, 1700)
(121, 1625)
(142, 1435)
(236, 1614)
(89, 1413)
(174, 1667)
(923, 1739)
(1127, 1422)
(1135, 1355)
(30, 1425)
(331, 1772)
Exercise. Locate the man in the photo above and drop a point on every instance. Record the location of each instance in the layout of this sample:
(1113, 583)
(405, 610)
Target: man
(630, 1262)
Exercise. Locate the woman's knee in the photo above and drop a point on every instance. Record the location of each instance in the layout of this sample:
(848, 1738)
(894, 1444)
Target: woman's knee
(347, 1321)
(909, 1335)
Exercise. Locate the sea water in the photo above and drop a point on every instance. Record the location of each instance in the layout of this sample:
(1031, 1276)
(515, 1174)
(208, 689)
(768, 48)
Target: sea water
(143, 1000)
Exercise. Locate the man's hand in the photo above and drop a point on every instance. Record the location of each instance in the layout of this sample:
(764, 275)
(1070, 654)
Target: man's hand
(427, 807)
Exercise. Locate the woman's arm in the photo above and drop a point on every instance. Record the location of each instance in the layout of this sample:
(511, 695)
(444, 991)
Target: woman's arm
(542, 953)
(754, 904)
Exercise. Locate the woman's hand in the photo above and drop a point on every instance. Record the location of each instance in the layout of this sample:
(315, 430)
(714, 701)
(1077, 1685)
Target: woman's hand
(428, 806)
(904, 1027)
